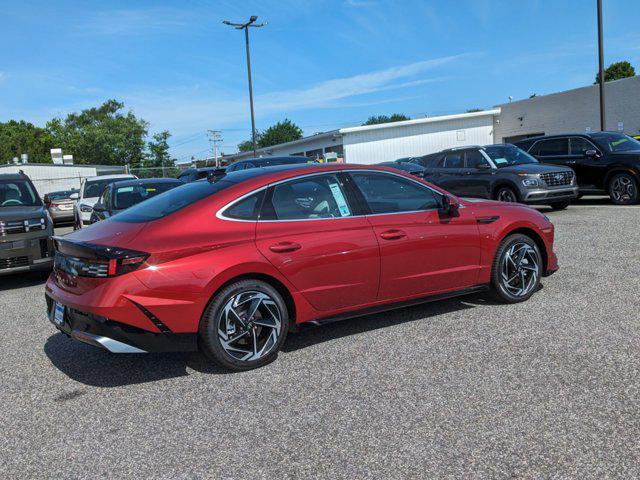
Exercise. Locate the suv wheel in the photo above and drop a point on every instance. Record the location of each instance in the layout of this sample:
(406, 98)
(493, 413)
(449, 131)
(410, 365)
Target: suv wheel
(244, 326)
(506, 194)
(516, 269)
(623, 189)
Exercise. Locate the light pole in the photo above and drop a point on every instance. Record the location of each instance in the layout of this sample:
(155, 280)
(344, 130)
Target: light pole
(601, 66)
(245, 27)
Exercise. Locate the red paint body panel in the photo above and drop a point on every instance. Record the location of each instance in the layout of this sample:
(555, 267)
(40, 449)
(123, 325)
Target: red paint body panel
(342, 265)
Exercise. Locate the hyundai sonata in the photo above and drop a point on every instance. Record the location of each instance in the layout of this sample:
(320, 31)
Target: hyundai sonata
(229, 265)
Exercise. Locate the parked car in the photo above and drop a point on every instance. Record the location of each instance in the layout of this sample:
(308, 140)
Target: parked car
(120, 195)
(267, 162)
(193, 174)
(501, 172)
(90, 190)
(230, 265)
(604, 162)
(25, 227)
(60, 205)
(414, 169)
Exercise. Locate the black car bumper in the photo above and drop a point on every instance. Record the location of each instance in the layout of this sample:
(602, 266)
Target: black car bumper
(118, 337)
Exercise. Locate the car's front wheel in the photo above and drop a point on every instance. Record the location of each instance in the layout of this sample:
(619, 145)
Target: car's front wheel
(244, 325)
(623, 189)
(506, 194)
(517, 268)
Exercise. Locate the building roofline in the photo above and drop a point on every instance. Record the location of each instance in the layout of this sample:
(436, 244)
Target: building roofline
(562, 92)
(419, 121)
(266, 150)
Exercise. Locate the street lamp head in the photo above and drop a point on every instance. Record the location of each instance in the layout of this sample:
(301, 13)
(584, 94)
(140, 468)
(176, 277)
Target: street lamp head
(252, 18)
(226, 22)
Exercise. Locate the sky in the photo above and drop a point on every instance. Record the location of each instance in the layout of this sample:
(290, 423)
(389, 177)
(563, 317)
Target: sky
(322, 64)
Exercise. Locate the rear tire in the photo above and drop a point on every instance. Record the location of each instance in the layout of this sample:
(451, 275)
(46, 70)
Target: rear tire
(560, 205)
(516, 270)
(506, 194)
(623, 189)
(244, 325)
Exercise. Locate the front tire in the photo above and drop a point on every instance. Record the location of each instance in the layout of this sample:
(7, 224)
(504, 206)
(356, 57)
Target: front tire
(623, 189)
(244, 325)
(506, 194)
(516, 270)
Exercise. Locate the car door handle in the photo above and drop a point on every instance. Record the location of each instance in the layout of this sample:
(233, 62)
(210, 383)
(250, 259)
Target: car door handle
(393, 234)
(284, 247)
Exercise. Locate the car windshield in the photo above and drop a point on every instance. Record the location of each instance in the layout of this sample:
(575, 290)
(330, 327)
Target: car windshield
(616, 142)
(130, 195)
(93, 188)
(171, 201)
(507, 155)
(18, 193)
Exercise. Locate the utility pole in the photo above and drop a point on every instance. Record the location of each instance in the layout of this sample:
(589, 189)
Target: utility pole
(215, 138)
(601, 67)
(245, 27)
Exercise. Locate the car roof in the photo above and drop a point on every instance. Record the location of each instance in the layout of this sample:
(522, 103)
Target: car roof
(145, 181)
(13, 176)
(271, 159)
(109, 177)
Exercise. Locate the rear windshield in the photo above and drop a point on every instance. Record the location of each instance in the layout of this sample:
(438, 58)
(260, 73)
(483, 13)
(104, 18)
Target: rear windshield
(171, 201)
(130, 195)
(94, 188)
(18, 193)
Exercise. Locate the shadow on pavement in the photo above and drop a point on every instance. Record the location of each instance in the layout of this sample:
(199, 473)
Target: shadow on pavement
(22, 280)
(99, 368)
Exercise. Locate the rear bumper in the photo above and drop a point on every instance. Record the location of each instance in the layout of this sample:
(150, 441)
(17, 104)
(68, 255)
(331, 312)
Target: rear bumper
(550, 195)
(118, 337)
(62, 215)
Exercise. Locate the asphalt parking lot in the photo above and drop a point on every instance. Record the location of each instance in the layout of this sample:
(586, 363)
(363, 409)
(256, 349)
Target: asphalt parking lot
(460, 388)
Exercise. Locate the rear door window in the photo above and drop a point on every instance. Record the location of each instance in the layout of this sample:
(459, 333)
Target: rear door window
(386, 193)
(554, 147)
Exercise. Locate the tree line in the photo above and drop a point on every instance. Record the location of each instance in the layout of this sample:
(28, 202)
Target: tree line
(104, 135)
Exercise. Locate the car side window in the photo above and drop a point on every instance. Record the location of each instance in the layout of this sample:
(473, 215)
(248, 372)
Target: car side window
(579, 145)
(553, 147)
(314, 197)
(453, 160)
(245, 209)
(106, 198)
(474, 159)
(386, 193)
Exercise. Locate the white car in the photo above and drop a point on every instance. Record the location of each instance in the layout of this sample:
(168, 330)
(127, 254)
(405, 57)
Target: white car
(90, 191)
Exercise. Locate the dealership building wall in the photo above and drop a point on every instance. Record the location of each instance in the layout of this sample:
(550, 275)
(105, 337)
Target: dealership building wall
(575, 110)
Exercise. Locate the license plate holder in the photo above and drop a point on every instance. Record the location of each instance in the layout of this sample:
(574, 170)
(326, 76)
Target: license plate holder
(58, 313)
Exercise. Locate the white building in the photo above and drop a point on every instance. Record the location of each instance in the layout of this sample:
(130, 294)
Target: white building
(389, 141)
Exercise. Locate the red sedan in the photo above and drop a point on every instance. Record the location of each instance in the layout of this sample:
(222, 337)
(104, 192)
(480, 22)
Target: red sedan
(230, 265)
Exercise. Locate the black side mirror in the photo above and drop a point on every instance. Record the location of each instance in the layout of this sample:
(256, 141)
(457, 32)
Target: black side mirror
(448, 206)
(592, 154)
(98, 207)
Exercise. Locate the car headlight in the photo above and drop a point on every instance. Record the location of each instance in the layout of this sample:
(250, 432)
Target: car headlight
(86, 208)
(530, 182)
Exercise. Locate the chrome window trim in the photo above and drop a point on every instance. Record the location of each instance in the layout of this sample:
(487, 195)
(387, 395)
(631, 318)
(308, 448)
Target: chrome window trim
(219, 213)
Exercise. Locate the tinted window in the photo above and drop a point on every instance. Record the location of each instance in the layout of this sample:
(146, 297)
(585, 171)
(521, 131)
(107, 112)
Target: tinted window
(318, 196)
(475, 158)
(169, 202)
(553, 147)
(453, 160)
(128, 196)
(616, 142)
(580, 145)
(245, 209)
(94, 188)
(507, 155)
(16, 193)
(391, 194)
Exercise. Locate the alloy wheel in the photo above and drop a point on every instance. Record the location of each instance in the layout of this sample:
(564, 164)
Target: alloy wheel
(506, 195)
(623, 189)
(520, 269)
(249, 325)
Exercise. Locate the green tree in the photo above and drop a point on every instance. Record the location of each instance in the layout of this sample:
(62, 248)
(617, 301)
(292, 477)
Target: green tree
(246, 146)
(376, 119)
(158, 161)
(18, 137)
(616, 71)
(104, 135)
(281, 132)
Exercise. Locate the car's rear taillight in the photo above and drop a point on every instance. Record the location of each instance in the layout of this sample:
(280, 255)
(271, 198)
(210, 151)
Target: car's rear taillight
(98, 261)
